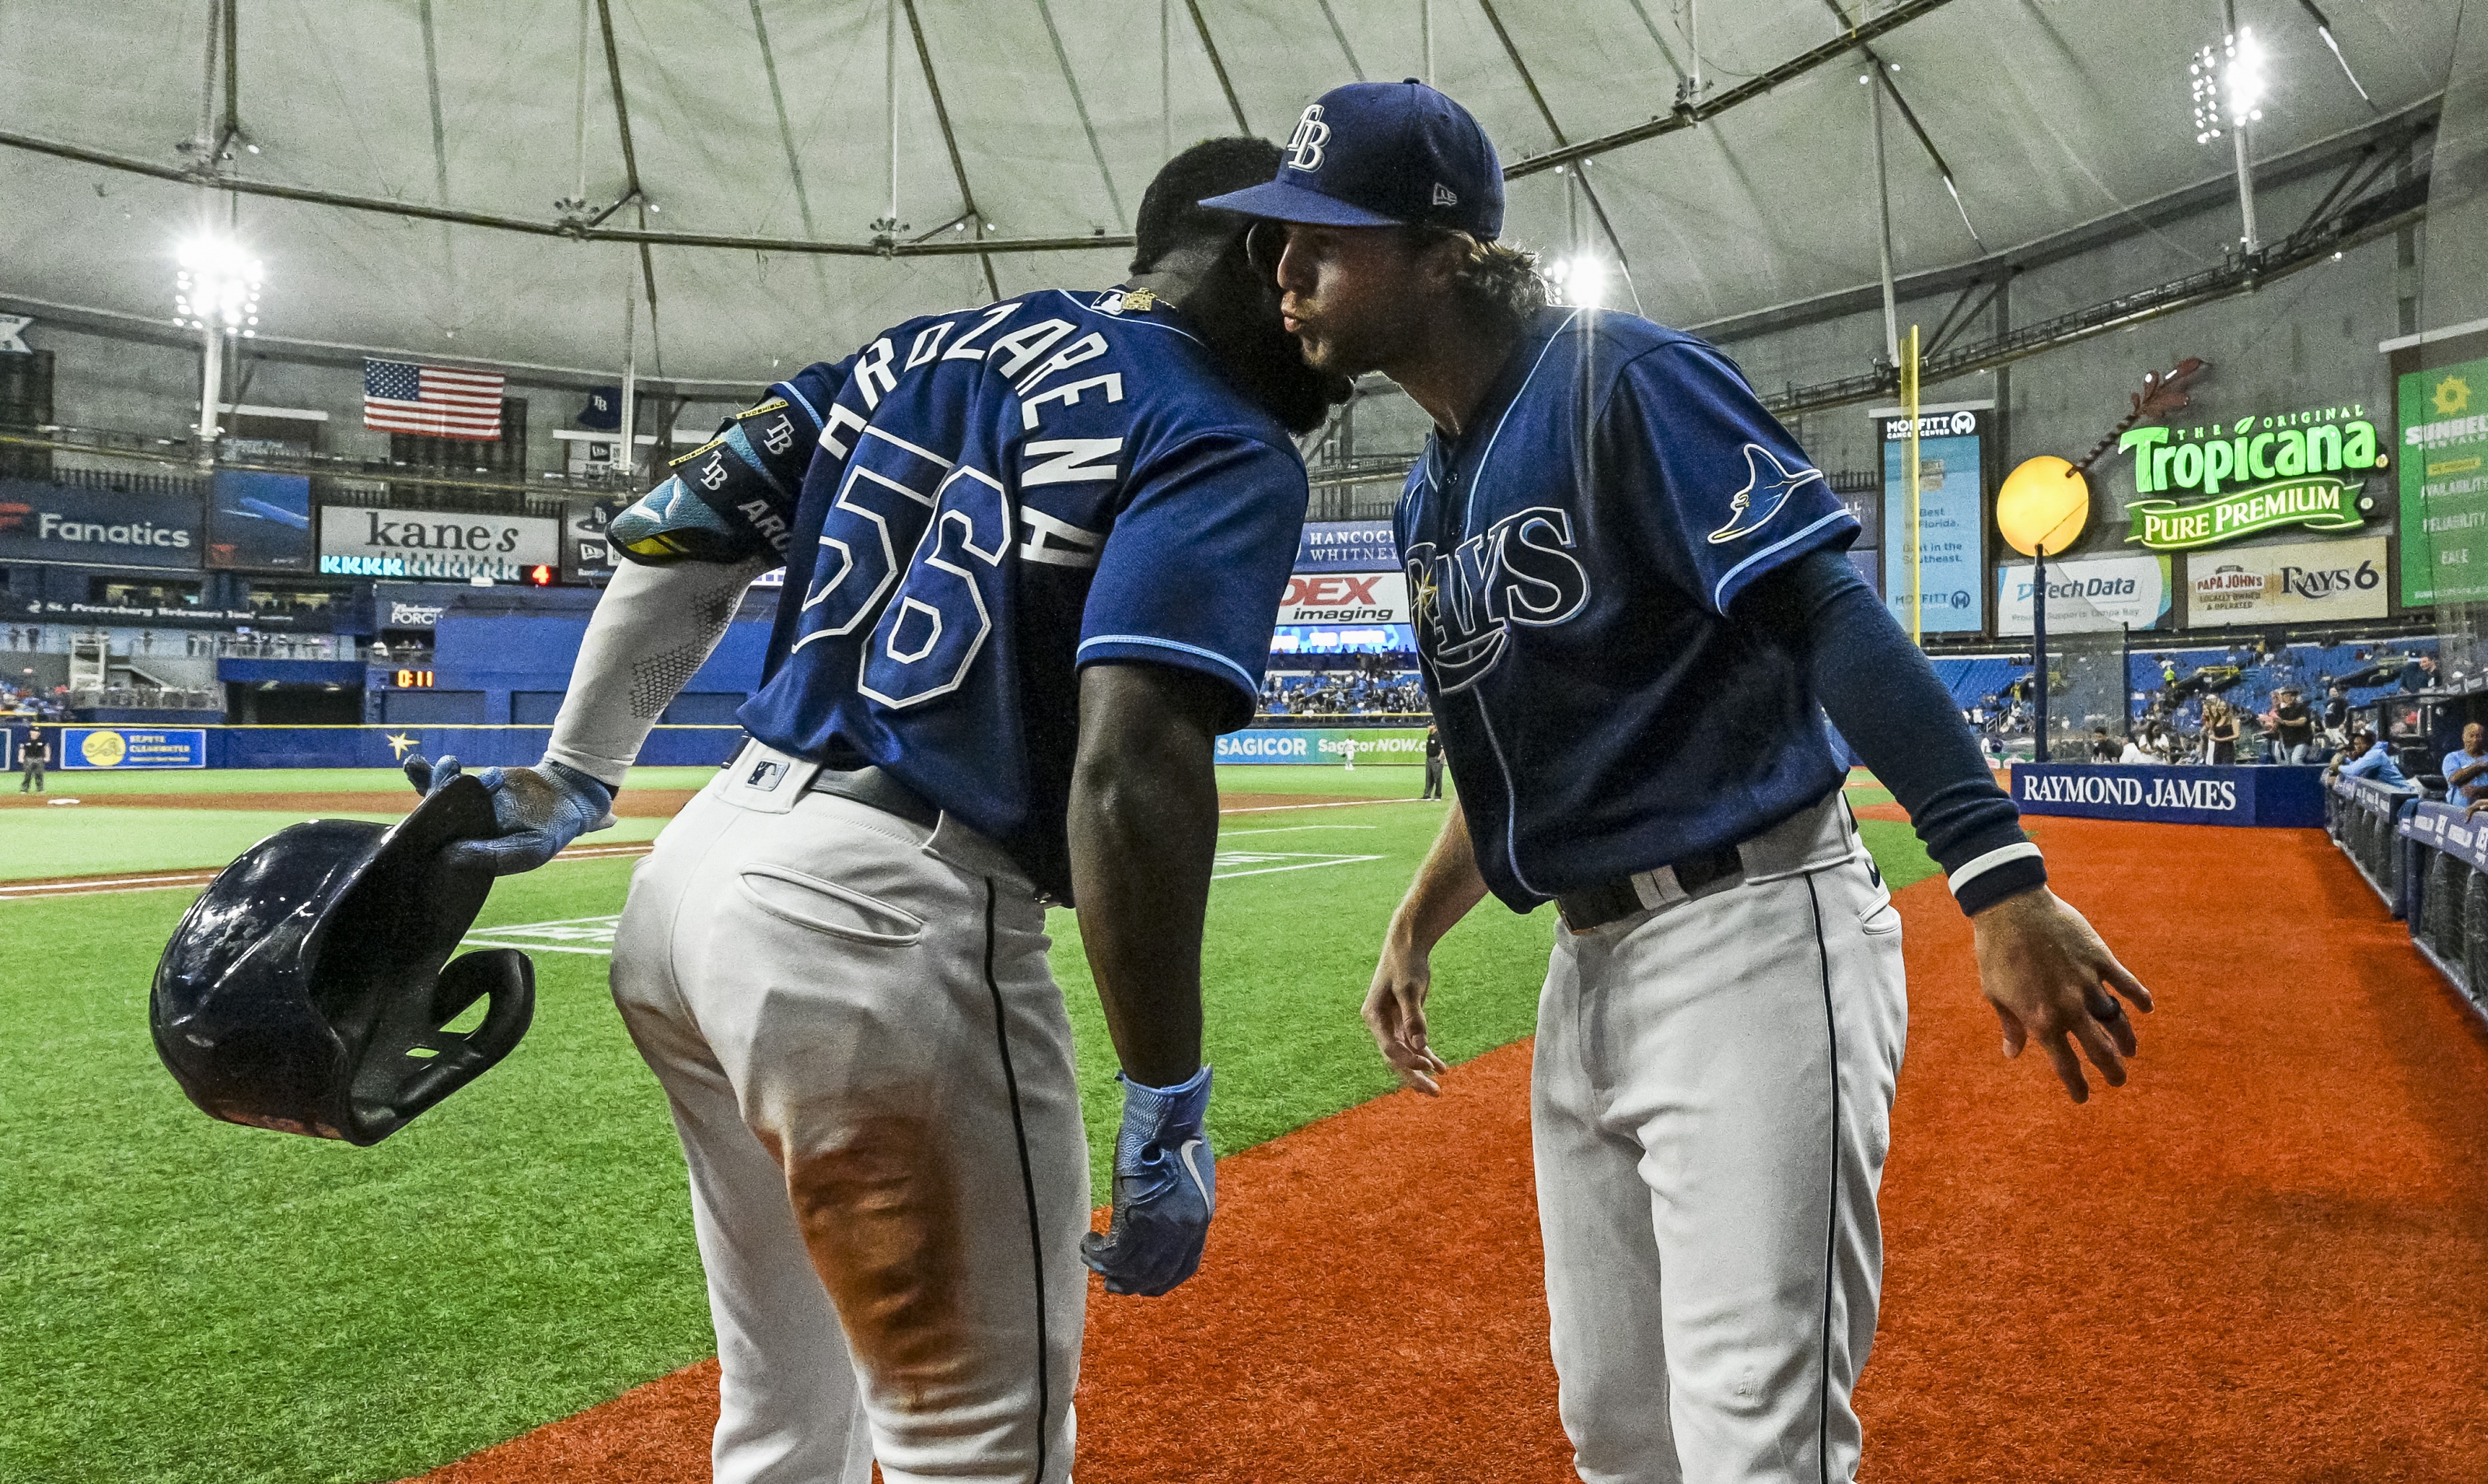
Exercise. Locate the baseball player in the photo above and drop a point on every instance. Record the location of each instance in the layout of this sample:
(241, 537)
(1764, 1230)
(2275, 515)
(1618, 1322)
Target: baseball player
(1035, 551)
(1631, 600)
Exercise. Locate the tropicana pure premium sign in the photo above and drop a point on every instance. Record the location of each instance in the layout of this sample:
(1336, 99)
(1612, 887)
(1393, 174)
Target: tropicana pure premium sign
(2264, 473)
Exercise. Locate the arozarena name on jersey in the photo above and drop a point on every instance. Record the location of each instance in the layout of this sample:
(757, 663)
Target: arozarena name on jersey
(2161, 794)
(1521, 570)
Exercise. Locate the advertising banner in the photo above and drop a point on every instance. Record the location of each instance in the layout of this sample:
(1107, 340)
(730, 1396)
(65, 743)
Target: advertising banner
(259, 522)
(1364, 639)
(584, 556)
(1345, 598)
(357, 542)
(2445, 483)
(2097, 594)
(2306, 583)
(1347, 545)
(1952, 581)
(408, 605)
(129, 747)
(47, 522)
(1334, 745)
(2267, 797)
(1870, 568)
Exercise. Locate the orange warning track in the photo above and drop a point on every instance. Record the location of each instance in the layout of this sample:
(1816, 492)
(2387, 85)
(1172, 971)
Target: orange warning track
(2267, 1258)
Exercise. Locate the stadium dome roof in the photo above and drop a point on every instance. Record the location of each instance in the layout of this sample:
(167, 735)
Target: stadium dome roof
(751, 127)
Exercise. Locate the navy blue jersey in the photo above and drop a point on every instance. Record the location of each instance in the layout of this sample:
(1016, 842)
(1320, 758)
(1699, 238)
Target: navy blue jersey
(1574, 556)
(1000, 497)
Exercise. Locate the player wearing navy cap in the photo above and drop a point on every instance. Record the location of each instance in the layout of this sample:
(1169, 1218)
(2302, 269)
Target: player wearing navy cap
(1032, 552)
(1633, 613)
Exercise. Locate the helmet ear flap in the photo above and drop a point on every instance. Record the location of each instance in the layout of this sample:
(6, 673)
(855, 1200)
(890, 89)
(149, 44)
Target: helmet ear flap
(413, 1062)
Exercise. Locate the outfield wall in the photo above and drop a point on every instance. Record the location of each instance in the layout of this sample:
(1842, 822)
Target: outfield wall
(1375, 745)
(78, 748)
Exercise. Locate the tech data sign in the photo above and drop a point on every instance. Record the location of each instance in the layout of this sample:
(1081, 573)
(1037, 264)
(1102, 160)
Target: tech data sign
(2282, 470)
(422, 544)
(2099, 594)
(1345, 598)
(2309, 583)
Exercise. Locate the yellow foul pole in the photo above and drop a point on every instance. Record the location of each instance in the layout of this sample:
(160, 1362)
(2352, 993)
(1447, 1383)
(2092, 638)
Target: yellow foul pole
(1910, 481)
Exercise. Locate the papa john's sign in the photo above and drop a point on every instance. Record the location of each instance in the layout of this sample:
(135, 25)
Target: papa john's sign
(1345, 598)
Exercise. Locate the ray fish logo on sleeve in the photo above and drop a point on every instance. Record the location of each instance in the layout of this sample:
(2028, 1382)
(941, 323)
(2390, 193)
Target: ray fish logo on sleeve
(1769, 484)
(1305, 145)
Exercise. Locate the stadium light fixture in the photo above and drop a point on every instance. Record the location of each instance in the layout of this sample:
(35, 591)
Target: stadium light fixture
(215, 292)
(2227, 86)
(1580, 280)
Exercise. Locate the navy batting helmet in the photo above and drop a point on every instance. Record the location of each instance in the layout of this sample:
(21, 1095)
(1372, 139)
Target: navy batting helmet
(305, 990)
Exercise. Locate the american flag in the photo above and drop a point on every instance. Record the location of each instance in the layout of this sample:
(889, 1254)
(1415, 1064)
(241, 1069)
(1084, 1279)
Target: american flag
(434, 400)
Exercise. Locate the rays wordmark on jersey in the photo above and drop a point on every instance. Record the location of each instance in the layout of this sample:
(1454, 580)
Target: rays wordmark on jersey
(1520, 571)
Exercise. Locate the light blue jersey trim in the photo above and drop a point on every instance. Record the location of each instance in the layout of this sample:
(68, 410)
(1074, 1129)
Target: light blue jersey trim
(1250, 683)
(811, 412)
(1789, 540)
(1469, 514)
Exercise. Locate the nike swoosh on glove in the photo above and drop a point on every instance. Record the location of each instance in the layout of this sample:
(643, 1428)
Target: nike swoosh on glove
(538, 810)
(1166, 1190)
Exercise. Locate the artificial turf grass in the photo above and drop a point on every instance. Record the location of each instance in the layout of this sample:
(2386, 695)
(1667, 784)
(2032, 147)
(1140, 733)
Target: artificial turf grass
(102, 783)
(94, 839)
(298, 1310)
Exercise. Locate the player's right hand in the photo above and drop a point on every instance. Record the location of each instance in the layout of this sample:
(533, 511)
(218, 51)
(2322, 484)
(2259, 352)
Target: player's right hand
(1394, 1011)
(1166, 1190)
(536, 810)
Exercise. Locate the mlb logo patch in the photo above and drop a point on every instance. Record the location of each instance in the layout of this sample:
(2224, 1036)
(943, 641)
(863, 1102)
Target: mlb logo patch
(764, 774)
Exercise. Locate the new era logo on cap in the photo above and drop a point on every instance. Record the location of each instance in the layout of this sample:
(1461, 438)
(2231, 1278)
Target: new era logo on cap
(1380, 154)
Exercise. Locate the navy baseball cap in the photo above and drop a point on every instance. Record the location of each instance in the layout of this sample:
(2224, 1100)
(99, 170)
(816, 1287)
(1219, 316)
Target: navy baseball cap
(1382, 154)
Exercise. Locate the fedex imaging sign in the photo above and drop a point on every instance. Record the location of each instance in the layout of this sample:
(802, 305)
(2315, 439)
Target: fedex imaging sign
(1345, 598)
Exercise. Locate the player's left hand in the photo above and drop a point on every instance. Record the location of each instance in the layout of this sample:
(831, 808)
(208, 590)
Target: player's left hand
(536, 810)
(2053, 981)
(1166, 1190)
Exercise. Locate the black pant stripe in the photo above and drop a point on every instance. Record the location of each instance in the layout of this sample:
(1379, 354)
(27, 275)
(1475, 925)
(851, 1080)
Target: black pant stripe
(1028, 1185)
(1831, 1226)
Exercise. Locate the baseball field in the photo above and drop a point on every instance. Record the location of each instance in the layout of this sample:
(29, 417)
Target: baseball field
(187, 1301)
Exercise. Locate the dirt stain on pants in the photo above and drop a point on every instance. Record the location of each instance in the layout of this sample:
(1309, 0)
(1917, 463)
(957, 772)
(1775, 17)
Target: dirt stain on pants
(879, 1212)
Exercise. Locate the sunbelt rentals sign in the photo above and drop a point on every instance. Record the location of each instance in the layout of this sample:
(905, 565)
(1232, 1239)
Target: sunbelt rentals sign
(2262, 472)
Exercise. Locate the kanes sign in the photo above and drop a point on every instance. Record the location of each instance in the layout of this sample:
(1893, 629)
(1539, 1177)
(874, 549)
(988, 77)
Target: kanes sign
(409, 543)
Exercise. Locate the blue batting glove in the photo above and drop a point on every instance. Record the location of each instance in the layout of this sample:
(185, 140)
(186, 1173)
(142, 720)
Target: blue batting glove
(538, 810)
(1166, 1190)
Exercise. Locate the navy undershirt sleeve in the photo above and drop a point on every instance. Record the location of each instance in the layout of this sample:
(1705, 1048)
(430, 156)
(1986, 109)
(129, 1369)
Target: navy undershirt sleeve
(1885, 698)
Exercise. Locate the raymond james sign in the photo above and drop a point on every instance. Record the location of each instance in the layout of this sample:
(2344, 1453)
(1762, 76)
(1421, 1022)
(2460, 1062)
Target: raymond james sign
(423, 544)
(2262, 472)
(2290, 797)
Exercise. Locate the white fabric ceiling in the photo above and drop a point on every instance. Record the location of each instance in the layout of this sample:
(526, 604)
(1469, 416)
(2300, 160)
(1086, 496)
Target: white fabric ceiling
(2051, 112)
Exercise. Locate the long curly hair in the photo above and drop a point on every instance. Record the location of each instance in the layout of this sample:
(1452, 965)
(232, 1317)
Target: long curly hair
(1498, 283)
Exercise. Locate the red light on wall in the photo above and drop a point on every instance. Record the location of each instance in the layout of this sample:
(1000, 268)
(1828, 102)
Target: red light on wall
(540, 576)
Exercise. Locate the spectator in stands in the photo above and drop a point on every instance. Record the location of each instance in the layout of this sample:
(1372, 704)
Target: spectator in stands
(2368, 758)
(2419, 674)
(2134, 754)
(36, 754)
(2336, 717)
(1433, 763)
(2293, 726)
(2103, 750)
(2464, 771)
(2219, 733)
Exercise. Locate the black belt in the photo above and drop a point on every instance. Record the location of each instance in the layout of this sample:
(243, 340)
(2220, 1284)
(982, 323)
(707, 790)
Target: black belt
(874, 786)
(1595, 906)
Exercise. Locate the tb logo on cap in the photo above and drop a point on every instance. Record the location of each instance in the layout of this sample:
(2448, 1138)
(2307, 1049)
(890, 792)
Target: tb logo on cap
(1305, 145)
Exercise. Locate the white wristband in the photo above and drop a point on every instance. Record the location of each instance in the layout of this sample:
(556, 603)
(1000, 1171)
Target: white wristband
(2021, 850)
